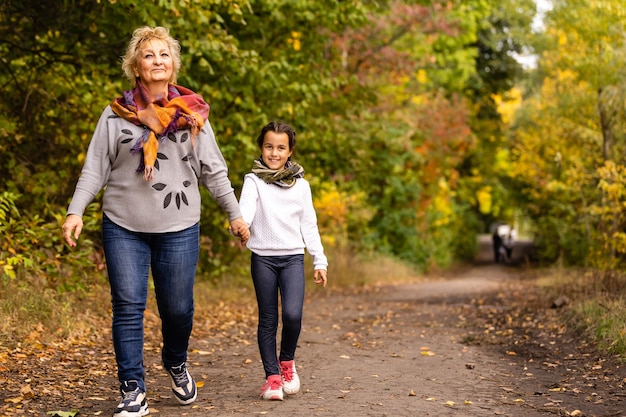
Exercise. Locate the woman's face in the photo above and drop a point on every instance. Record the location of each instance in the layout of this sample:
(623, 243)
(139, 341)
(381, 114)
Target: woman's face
(275, 151)
(154, 63)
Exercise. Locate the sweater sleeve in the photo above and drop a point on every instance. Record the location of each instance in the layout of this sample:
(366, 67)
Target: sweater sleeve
(248, 200)
(214, 172)
(310, 231)
(96, 169)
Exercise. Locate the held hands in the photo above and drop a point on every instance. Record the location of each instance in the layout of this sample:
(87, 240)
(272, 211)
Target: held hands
(72, 227)
(319, 277)
(239, 228)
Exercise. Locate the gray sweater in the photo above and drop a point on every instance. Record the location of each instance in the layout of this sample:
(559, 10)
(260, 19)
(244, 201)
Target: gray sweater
(170, 202)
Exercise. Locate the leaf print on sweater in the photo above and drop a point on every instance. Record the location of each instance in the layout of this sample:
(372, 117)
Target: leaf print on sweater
(179, 197)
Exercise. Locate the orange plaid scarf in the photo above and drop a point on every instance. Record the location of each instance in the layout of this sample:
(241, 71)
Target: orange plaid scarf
(181, 109)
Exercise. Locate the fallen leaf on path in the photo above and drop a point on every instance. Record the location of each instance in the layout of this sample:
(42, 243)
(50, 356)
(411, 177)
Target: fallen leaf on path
(412, 393)
(427, 353)
(450, 403)
(14, 400)
(27, 392)
(345, 357)
(62, 413)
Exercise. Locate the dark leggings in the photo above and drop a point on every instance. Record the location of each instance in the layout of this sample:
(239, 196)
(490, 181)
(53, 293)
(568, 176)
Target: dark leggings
(272, 275)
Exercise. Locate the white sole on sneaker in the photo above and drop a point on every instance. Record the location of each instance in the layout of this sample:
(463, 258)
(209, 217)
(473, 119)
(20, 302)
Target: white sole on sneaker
(142, 412)
(274, 396)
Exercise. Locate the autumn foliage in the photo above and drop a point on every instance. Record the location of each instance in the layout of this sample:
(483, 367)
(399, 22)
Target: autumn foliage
(416, 125)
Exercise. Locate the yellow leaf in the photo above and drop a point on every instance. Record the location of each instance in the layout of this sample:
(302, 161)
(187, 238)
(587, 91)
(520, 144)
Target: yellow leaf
(199, 384)
(72, 413)
(412, 393)
(422, 77)
(450, 403)
(14, 400)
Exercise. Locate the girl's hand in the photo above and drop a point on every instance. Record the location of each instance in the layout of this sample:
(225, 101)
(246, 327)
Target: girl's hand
(72, 227)
(239, 228)
(319, 277)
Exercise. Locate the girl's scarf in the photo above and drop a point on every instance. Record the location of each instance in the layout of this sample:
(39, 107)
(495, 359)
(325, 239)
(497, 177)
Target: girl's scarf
(181, 109)
(285, 177)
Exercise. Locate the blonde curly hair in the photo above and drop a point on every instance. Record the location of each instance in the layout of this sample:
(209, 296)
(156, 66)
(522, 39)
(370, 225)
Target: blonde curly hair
(141, 35)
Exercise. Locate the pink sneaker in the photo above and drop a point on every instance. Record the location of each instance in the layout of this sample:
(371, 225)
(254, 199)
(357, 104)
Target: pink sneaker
(291, 380)
(273, 388)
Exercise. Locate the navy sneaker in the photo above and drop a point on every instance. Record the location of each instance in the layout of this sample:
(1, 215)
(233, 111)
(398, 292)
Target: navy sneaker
(133, 402)
(183, 385)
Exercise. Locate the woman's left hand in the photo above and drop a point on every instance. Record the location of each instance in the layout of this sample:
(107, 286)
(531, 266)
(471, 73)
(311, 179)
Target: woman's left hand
(319, 277)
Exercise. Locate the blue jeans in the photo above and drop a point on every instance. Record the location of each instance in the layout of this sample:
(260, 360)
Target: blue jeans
(271, 275)
(130, 256)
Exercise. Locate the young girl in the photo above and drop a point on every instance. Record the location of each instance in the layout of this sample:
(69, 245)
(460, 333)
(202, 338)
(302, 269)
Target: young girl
(277, 205)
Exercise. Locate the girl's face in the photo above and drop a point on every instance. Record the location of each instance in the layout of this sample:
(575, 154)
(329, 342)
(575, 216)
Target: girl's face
(275, 150)
(154, 63)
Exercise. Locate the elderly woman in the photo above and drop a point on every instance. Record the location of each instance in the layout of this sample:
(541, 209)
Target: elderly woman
(151, 149)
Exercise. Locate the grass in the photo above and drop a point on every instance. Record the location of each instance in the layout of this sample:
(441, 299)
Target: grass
(27, 311)
(597, 304)
(30, 310)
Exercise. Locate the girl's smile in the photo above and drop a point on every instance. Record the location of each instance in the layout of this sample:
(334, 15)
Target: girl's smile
(275, 151)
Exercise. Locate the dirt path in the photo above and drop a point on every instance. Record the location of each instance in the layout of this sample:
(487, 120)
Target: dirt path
(476, 343)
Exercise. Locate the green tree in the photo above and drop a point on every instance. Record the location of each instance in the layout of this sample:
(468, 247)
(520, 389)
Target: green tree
(569, 127)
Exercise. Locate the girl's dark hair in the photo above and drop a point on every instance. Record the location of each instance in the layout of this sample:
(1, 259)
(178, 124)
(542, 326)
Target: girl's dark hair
(278, 127)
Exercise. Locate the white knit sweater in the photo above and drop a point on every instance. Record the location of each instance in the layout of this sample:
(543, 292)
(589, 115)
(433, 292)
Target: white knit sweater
(282, 220)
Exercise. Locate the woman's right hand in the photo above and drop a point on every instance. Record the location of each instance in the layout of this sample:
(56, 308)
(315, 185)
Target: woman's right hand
(72, 227)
